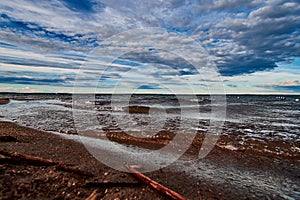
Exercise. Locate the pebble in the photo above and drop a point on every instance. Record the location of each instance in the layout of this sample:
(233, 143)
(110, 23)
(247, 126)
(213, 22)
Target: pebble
(123, 175)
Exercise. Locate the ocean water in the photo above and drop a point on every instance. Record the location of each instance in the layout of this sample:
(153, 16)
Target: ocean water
(268, 122)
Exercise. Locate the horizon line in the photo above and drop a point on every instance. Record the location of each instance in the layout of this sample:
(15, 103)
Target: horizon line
(68, 93)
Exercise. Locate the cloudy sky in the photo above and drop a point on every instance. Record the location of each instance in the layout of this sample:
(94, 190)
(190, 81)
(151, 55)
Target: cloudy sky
(150, 46)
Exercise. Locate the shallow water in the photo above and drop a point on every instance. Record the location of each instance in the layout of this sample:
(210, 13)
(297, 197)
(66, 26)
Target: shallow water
(248, 117)
(267, 121)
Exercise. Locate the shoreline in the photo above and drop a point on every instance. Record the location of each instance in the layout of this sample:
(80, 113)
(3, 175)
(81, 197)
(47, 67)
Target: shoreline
(236, 140)
(223, 174)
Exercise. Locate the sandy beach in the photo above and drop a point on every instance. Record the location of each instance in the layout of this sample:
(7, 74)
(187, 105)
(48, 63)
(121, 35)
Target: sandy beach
(223, 174)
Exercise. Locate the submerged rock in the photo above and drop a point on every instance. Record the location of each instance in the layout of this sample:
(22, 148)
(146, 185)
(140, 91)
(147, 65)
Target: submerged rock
(4, 101)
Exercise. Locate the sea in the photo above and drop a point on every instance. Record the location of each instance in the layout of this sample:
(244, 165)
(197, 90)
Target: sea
(268, 123)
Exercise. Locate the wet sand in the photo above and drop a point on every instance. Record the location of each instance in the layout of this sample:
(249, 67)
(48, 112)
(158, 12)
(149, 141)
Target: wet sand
(223, 174)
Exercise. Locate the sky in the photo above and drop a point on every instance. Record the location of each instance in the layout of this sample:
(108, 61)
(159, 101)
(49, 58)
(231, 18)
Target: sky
(195, 46)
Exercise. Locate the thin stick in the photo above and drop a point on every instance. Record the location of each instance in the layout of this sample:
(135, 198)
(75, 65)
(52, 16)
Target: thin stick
(93, 196)
(174, 195)
(28, 158)
(42, 161)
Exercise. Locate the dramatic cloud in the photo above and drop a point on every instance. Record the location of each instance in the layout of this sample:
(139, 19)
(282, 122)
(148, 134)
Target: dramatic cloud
(288, 85)
(245, 42)
(241, 37)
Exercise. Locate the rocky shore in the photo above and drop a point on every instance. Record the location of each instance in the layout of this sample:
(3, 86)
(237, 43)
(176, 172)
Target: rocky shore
(223, 174)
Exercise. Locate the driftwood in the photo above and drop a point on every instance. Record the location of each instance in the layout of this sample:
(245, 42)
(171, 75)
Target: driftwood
(93, 196)
(14, 157)
(32, 159)
(112, 184)
(170, 193)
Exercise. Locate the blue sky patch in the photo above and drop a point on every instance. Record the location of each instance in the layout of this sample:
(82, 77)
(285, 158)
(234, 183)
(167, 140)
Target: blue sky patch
(254, 44)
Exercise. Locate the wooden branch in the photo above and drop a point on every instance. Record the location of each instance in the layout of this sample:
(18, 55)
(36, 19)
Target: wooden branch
(14, 156)
(28, 158)
(93, 196)
(170, 193)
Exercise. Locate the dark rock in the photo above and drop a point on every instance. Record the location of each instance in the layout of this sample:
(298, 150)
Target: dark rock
(8, 138)
(4, 101)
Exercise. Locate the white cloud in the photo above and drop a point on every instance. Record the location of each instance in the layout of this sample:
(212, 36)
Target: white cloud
(282, 83)
(241, 37)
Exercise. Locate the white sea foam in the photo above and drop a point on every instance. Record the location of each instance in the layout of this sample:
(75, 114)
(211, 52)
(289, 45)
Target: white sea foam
(257, 122)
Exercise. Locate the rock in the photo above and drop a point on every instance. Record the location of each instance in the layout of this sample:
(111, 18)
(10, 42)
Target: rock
(4, 101)
(123, 175)
(69, 184)
(8, 138)
(71, 132)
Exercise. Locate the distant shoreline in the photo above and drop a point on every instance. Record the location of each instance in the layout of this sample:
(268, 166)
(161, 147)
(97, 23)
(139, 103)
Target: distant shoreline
(159, 94)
